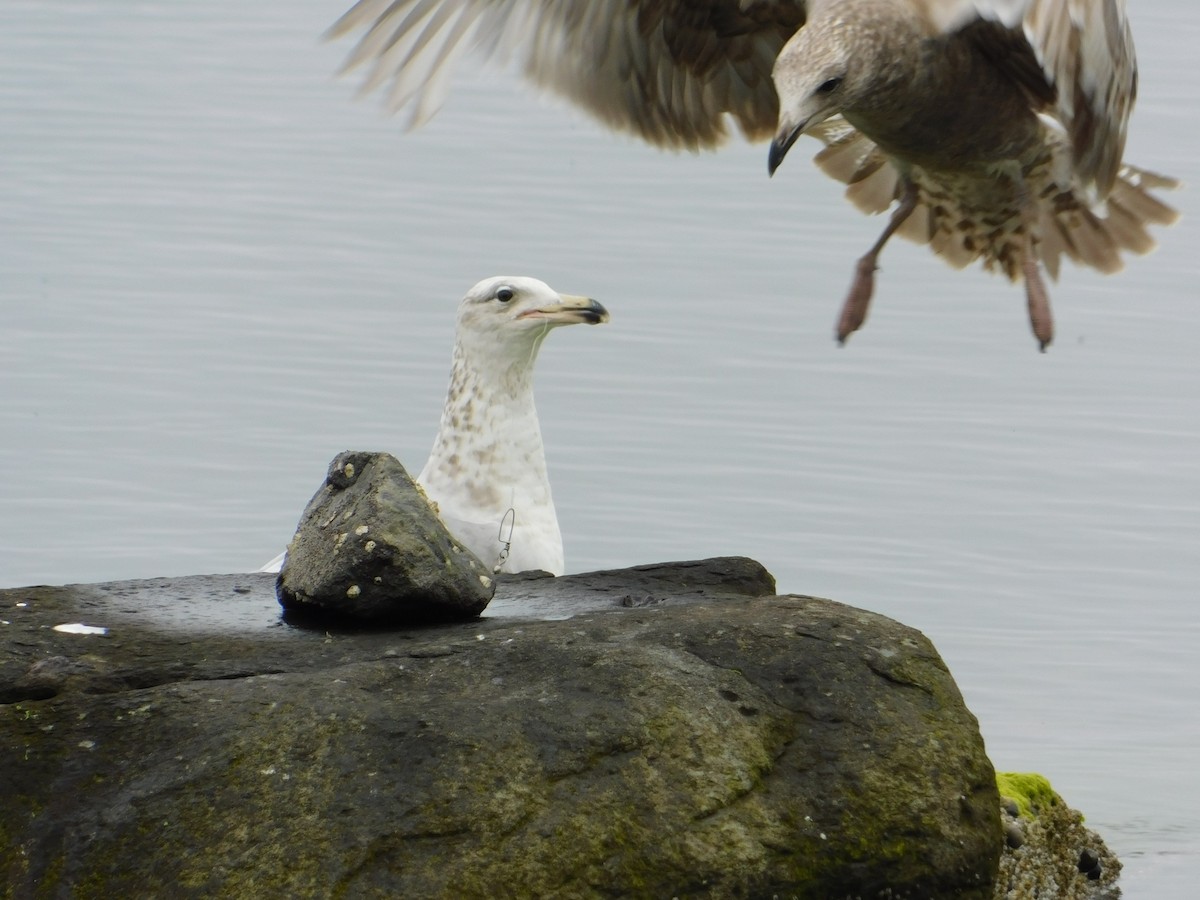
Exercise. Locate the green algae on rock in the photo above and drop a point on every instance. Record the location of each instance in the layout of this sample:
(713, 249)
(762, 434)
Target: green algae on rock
(1049, 860)
(1028, 790)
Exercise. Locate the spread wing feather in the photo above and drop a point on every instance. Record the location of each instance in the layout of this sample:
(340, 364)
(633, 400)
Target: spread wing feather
(669, 71)
(1083, 50)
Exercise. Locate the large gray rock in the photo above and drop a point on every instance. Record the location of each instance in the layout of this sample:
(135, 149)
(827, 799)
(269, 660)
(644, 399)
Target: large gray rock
(685, 733)
(369, 546)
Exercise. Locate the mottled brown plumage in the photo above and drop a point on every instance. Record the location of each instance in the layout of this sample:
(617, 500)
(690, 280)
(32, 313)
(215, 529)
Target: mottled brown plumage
(994, 129)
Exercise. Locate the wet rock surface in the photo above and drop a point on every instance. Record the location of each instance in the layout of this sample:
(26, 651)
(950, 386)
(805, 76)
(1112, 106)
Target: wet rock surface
(669, 730)
(369, 546)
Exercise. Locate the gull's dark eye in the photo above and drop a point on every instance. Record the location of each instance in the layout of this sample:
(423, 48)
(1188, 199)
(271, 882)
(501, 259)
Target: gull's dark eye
(505, 294)
(828, 87)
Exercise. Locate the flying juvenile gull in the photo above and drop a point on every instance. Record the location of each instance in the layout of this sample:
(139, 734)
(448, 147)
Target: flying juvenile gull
(996, 127)
(995, 137)
(486, 473)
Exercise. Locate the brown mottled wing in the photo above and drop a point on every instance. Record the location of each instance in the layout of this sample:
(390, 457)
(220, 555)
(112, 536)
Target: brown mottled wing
(1086, 47)
(1076, 60)
(669, 71)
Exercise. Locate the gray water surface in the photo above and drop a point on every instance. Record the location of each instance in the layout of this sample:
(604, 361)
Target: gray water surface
(217, 271)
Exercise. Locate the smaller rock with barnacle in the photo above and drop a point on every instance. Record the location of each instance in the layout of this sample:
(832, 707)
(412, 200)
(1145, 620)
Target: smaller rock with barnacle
(370, 548)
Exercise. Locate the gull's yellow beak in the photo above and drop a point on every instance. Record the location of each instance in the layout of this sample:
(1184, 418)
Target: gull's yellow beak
(570, 310)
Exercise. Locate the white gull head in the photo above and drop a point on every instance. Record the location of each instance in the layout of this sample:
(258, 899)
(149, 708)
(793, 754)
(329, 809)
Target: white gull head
(487, 470)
